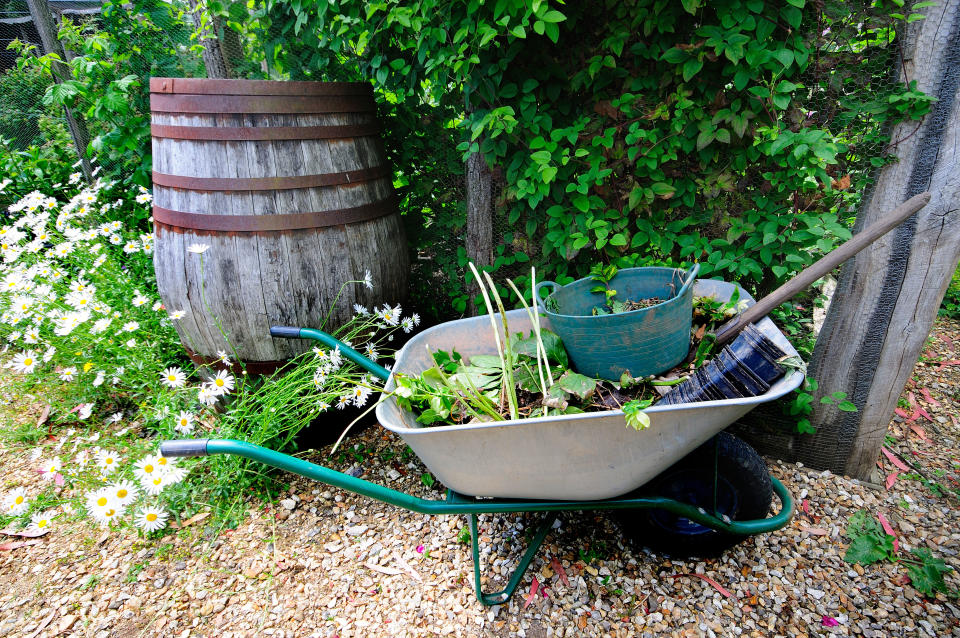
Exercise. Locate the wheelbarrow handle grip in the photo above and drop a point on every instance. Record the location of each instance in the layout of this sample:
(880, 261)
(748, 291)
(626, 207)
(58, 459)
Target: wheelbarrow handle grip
(183, 448)
(285, 332)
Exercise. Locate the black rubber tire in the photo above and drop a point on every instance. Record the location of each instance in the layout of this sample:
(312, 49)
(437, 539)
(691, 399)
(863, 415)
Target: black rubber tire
(744, 492)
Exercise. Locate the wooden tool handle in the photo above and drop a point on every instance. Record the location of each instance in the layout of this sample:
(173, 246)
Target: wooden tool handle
(826, 263)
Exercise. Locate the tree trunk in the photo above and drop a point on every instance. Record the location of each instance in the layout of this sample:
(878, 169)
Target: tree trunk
(43, 20)
(216, 62)
(887, 297)
(479, 217)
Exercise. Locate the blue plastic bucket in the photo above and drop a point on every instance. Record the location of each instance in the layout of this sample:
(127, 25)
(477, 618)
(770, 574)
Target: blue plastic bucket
(642, 342)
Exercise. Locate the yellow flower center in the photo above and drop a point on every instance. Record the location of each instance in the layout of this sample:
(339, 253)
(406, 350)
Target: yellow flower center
(158, 480)
(151, 517)
(42, 523)
(171, 377)
(110, 512)
(148, 468)
(219, 383)
(161, 461)
(18, 500)
(102, 501)
(122, 493)
(28, 361)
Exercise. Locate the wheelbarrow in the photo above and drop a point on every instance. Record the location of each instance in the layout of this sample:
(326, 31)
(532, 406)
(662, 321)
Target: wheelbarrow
(682, 480)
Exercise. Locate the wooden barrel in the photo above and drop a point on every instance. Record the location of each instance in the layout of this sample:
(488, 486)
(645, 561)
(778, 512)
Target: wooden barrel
(288, 185)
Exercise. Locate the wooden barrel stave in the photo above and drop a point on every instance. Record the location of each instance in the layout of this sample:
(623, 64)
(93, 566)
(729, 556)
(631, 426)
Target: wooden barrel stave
(286, 261)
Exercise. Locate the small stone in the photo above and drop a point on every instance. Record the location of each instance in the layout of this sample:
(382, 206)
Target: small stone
(288, 504)
(66, 623)
(180, 566)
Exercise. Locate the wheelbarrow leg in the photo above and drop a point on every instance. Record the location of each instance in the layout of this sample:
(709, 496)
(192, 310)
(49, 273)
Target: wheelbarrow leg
(503, 596)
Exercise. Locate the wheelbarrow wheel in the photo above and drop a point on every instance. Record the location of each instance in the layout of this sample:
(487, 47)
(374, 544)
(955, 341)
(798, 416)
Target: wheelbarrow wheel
(743, 491)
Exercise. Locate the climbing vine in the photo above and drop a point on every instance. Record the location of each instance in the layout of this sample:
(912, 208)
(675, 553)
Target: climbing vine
(735, 133)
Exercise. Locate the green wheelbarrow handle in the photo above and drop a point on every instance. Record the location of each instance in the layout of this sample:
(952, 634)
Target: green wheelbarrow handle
(460, 504)
(291, 332)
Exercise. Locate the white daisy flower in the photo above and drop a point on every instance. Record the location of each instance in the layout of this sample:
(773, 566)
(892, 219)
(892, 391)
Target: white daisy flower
(123, 492)
(108, 461)
(416, 319)
(371, 352)
(16, 502)
(68, 374)
(51, 468)
(24, 362)
(41, 521)
(177, 314)
(197, 249)
(130, 326)
(146, 468)
(368, 280)
(407, 324)
(222, 383)
(360, 310)
(151, 519)
(174, 378)
(206, 395)
(98, 381)
(49, 354)
(184, 423)
(154, 484)
(131, 247)
(360, 395)
(344, 401)
(130, 343)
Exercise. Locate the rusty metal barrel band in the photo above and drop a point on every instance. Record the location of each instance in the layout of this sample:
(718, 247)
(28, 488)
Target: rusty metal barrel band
(254, 133)
(270, 183)
(267, 223)
(298, 104)
(252, 367)
(206, 86)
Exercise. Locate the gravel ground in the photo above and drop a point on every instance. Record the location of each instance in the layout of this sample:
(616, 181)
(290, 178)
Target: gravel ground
(322, 562)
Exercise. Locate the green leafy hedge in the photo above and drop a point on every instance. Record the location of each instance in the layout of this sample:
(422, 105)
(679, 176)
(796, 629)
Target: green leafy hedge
(736, 133)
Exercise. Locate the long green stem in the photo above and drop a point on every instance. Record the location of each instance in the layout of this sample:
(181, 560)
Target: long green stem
(496, 337)
(508, 380)
(536, 331)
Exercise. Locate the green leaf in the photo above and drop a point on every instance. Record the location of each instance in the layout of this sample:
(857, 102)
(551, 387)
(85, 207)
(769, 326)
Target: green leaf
(704, 139)
(553, 16)
(797, 3)
(793, 16)
(691, 67)
(846, 406)
(690, 6)
(868, 549)
(723, 135)
(635, 416)
(427, 479)
(675, 56)
(784, 56)
(618, 240)
(578, 385)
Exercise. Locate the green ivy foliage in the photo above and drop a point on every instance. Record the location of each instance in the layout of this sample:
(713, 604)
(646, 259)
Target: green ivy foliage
(736, 133)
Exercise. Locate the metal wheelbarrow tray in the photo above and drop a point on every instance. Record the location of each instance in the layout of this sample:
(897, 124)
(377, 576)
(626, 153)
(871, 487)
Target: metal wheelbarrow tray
(588, 456)
(568, 463)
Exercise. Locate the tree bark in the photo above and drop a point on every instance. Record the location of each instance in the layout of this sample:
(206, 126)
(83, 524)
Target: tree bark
(888, 297)
(479, 218)
(215, 59)
(43, 20)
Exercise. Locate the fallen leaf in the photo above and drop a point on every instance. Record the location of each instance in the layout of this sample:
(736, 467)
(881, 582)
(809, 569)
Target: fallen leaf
(196, 518)
(58, 479)
(929, 399)
(925, 414)
(582, 622)
(6, 547)
(901, 412)
(889, 530)
(27, 533)
(558, 568)
(391, 571)
(892, 478)
(709, 581)
(919, 431)
(44, 415)
(948, 342)
(806, 508)
(814, 531)
(408, 568)
(534, 586)
(841, 184)
(948, 362)
(830, 621)
(912, 399)
(893, 459)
